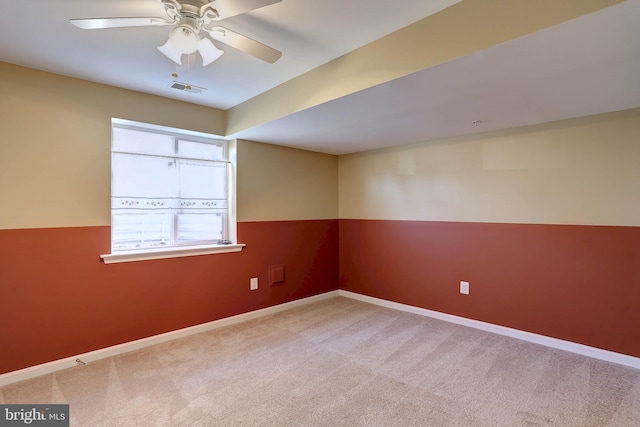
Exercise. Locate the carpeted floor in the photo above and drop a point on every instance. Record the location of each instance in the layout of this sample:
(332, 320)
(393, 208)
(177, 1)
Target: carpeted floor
(341, 362)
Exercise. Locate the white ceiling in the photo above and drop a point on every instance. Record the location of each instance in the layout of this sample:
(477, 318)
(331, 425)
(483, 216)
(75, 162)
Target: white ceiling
(586, 66)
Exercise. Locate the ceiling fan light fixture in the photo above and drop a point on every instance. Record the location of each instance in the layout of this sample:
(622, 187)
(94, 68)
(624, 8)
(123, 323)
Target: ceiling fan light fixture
(185, 39)
(208, 51)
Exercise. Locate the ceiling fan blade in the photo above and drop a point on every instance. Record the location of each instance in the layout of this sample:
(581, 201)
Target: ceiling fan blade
(228, 8)
(245, 44)
(99, 23)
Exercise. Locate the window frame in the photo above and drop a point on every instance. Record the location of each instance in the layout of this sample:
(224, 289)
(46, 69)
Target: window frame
(182, 250)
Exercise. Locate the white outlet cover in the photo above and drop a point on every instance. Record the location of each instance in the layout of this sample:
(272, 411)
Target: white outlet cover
(464, 288)
(254, 283)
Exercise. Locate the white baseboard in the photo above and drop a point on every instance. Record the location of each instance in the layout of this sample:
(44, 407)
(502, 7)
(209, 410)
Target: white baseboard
(69, 362)
(597, 353)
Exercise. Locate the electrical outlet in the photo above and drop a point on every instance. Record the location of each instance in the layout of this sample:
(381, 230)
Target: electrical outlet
(253, 283)
(464, 288)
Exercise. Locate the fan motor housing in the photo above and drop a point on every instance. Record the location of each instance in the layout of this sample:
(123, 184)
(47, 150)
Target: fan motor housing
(190, 22)
(194, 3)
(187, 7)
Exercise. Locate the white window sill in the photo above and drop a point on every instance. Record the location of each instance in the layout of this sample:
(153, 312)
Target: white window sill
(175, 252)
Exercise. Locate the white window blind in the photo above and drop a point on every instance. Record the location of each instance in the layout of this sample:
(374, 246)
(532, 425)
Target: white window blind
(167, 189)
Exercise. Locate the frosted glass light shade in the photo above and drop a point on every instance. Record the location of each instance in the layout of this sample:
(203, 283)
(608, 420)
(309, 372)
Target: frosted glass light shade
(185, 39)
(171, 52)
(208, 51)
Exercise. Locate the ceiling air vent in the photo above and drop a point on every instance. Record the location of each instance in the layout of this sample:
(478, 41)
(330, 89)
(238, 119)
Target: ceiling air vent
(186, 87)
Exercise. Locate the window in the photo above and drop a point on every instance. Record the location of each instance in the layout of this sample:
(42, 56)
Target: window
(172, 193)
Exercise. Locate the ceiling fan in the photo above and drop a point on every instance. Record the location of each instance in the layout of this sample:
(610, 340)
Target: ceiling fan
(192, 30)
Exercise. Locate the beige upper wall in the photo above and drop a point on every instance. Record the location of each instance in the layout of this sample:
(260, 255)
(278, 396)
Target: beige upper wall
(273, 180)
(55, 165)
(464, 28)
(581, 171)
(55, 155)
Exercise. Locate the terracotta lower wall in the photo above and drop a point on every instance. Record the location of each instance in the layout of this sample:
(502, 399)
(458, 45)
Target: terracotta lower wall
(58, 299)
(577, 283)
(572, 282)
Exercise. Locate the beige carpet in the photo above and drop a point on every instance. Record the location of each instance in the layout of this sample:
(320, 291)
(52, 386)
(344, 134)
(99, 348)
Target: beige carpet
(340, 362)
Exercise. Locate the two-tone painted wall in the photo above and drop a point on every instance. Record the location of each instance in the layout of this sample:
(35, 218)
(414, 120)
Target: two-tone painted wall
(57, 299)
(543, 221)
